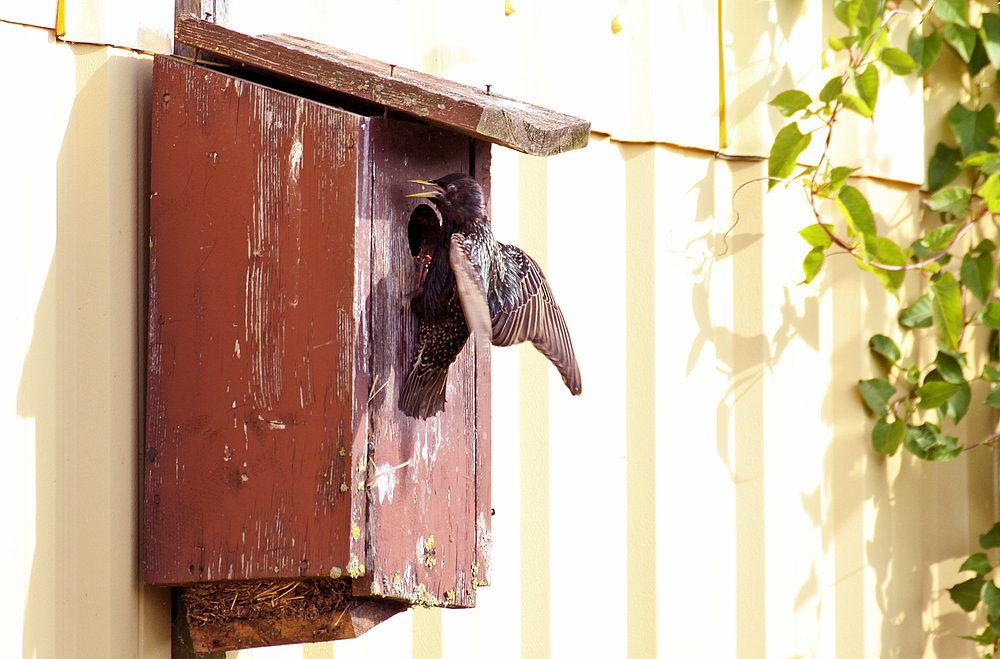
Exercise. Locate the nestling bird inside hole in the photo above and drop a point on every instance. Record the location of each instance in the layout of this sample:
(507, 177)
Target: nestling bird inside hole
(477, 285)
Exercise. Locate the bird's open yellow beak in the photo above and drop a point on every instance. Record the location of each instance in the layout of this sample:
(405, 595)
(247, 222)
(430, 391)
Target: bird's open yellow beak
(436, 192)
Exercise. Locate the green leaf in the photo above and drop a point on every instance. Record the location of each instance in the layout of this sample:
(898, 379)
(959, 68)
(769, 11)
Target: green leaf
(791, 101)
(955, 354)
(985, 246)
(991, 538)
(866, 250)
(979, 58)
(991, 598)
(990, 316)
(881, 344)
(838, 176)
(949, 368)
(977, 274)
(855, 104)
(990, 193)
(994, 626)
(985, 638)
(990, 373)
(846, 11)
(869, 12)
(927, 443)
(958, 405)
(900, 62)
(886, 437)
(887, 253)
(935, 394)
(918, 314)
(939, 239)
(912, 374)
(967, 593)
(876, 394)
(812, 263)
(866, 83)
(943, 167)
(978, 563)
(816, 236)
(973, 129)
(788, 144)
(993, 399)
(979, 159)
(990, 34)
(962, 38)
(831, 89)
(924, 50)
(946, 304)
(951, 200)
(952, 11)
(836, 44)
(854, 207)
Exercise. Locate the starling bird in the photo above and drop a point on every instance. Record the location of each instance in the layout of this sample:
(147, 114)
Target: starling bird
(476, 284)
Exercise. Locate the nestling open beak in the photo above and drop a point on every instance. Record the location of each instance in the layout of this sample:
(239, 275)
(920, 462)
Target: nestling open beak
(436, 192)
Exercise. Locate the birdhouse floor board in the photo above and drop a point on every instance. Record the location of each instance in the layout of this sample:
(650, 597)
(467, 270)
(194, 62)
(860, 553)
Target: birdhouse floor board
(237, 615)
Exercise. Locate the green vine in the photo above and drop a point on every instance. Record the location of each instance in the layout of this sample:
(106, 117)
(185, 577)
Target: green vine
(953, 263)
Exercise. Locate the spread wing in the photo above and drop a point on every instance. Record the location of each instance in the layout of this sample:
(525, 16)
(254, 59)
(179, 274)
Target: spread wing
(528, 312)
(471, 290)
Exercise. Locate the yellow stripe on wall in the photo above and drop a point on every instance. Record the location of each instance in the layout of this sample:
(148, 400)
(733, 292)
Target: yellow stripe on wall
(640, 395)
(534, 429)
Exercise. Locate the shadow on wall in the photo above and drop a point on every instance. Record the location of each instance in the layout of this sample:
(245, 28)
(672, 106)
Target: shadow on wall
(83, 379)
(885, 533)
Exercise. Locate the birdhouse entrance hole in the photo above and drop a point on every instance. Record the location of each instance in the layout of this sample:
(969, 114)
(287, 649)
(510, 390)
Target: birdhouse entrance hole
(423, 230)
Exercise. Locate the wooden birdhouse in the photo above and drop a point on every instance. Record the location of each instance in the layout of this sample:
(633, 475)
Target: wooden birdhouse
(285, 492)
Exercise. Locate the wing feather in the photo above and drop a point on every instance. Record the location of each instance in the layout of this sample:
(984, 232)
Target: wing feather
(529, 313)
(471, 290)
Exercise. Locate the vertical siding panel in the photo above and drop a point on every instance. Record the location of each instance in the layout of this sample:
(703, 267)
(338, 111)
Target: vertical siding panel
(693, 490)
(26, 191)
(534, 431)
(586, 267)
(427, 639)
(749, 363)
(640, 413)
(78, 372)
(795, 435)
(721, 454)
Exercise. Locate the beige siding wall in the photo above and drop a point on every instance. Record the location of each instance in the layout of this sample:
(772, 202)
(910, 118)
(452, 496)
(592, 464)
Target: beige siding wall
(713, 491)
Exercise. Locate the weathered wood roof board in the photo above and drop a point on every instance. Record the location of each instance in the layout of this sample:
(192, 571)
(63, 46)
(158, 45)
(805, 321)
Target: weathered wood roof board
(521, 126)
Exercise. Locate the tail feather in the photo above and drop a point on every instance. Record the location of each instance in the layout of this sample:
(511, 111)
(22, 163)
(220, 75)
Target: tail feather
(423, 393)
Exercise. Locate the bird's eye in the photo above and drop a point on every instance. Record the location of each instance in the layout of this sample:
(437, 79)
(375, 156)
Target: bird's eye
(451, 187)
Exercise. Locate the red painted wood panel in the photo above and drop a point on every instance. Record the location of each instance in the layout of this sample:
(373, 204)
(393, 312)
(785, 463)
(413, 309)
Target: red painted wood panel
(422, 517)
(256, 392)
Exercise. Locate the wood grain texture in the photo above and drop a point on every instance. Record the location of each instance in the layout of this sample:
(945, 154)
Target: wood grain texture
(256, 396)
(422, 516)
(521, 126)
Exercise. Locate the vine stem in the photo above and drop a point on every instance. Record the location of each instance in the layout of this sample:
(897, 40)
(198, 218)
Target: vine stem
(988, 440)
(811, 193)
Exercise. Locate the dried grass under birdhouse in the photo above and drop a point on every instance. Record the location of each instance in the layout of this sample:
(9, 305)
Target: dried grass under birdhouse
(246, 614)
(247, 600)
